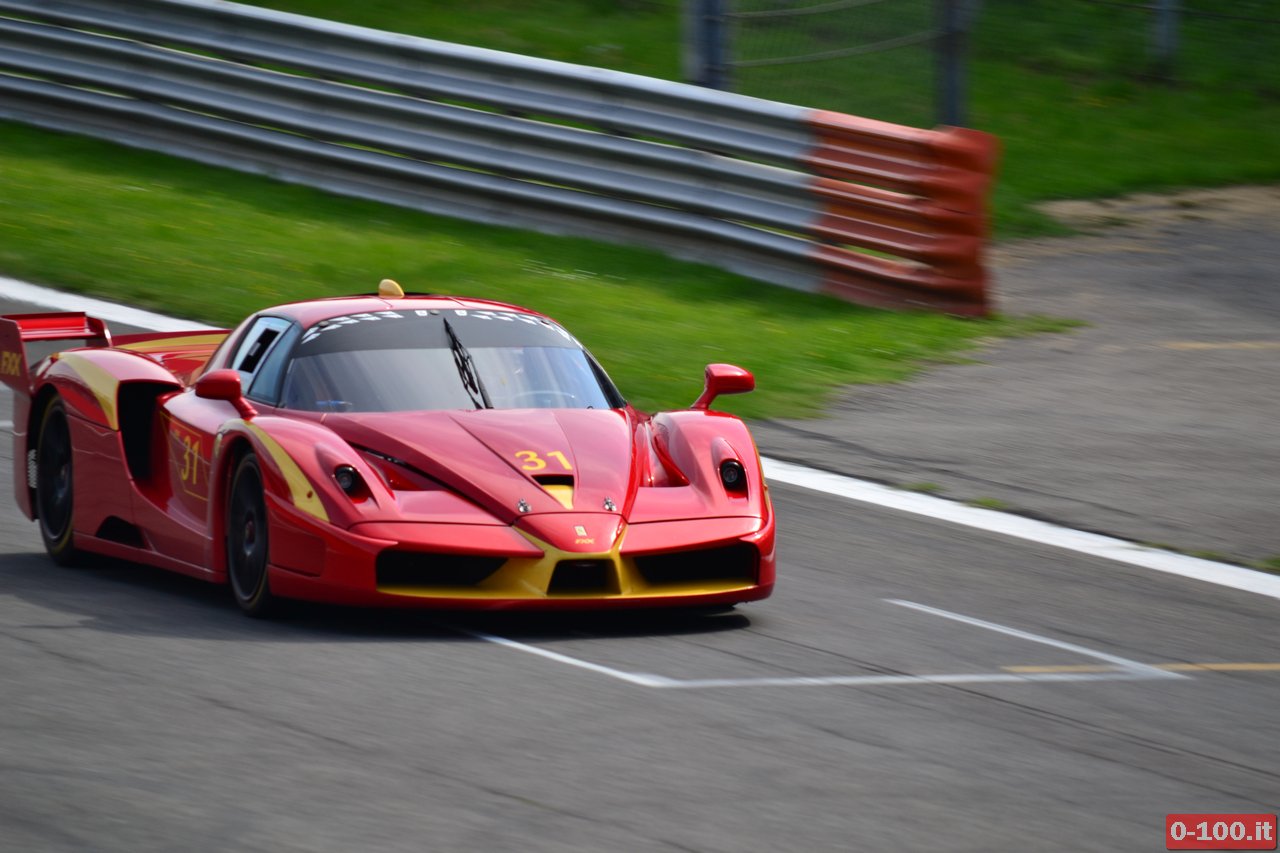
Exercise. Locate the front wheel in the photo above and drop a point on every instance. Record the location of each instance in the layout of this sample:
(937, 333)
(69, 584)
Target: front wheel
(55, 492)
(247, 544)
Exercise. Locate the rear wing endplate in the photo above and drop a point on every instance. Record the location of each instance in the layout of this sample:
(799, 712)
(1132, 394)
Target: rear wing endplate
(18, 330)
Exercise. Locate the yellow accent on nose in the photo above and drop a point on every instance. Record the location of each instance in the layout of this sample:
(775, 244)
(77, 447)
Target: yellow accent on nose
(562, 493)
(390, 289)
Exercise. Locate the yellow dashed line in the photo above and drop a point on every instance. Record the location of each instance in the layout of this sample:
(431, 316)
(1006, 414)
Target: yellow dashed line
(1221, 667)
(1083, 667)
(1170, 667)
(1202, 345)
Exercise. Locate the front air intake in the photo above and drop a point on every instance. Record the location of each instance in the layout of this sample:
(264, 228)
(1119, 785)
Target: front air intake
(416, 569)
(730, 563)
(581, 577)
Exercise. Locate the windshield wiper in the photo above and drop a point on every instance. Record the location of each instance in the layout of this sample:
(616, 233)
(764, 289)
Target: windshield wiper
(467, 369)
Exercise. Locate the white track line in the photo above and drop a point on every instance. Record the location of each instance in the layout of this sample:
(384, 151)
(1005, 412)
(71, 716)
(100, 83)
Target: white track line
(640, 678)
(113, 312)
(892, 680)
(1093, 544)
(1124, 663)
(1126, 670)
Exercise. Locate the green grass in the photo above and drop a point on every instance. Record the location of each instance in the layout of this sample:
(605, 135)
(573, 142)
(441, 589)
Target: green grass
(1100, 141)
(1065, 84)
(1068, 87)
(215, 245)
(1270, 564)
(639, 36)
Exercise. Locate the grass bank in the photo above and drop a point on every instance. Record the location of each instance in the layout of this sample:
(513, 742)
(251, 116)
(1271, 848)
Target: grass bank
(215, 245)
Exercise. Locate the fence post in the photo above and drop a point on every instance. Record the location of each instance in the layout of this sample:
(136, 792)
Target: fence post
(949, 63)
(706, 43)
(1164, 36)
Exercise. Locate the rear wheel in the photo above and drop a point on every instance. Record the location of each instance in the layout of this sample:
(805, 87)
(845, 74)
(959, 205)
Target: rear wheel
(247, 544)
(55, 492)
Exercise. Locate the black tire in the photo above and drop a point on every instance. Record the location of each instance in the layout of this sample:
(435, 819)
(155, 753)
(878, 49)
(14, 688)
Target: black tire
(247, 540)
(55, 484)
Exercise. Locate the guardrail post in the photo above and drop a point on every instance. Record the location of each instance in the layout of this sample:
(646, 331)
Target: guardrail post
(950, 63)
(706, 43)
(1164, 36)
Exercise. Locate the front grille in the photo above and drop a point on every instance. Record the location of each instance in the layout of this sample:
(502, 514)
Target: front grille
(574, 577)
(730, 563)
(419, 568)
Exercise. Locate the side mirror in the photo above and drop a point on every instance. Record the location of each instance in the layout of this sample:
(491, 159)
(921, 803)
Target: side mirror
(723, 379)
(225, 385)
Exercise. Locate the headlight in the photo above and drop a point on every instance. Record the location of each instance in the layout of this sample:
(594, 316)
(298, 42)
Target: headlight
(733, 476)
(348, 479)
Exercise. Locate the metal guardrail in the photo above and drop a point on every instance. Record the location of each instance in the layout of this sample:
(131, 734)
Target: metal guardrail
(875, 213)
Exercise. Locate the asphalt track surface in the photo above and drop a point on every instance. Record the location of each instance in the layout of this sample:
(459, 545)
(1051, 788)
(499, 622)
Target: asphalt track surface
(912, 685)
(1156, 422)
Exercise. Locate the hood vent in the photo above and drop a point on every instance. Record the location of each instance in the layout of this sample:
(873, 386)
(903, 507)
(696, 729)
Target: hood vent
(559, 486)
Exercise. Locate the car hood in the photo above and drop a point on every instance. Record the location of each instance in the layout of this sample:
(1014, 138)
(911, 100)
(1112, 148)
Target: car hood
(548, 460)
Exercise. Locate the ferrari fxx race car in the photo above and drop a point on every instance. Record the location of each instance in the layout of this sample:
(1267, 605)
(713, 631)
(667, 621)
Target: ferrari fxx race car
(396, 450)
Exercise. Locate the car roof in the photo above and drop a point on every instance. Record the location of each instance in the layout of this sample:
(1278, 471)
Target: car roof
(312, 311)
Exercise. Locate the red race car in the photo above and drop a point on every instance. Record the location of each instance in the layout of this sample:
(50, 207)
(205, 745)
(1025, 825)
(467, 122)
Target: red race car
(385, 450)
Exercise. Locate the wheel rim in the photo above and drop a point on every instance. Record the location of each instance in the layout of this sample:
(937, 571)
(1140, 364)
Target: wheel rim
(53, 477)
(246, 536)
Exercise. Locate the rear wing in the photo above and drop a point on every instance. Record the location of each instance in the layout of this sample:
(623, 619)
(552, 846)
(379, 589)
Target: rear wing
(19, 330)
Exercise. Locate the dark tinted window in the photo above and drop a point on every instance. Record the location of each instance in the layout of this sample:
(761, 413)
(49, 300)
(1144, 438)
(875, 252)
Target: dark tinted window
(255, 345)
(408, 361)
(266, 384)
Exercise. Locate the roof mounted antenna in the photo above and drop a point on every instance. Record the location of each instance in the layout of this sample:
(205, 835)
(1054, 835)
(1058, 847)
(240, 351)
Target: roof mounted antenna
(390, 289)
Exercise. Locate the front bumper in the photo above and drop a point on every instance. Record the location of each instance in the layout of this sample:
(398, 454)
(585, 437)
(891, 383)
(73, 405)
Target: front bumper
(688, 563)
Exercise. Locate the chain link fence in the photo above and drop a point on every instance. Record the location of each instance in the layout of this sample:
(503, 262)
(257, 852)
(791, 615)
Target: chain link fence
(1181, 43)
(881, 58)
(873, 58)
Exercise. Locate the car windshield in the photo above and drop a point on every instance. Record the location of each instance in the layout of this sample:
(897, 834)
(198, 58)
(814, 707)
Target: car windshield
(396, 361)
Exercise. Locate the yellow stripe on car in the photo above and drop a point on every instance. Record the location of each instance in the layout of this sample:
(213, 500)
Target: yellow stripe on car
(99, 381)
(301, 491)
(162, 344)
